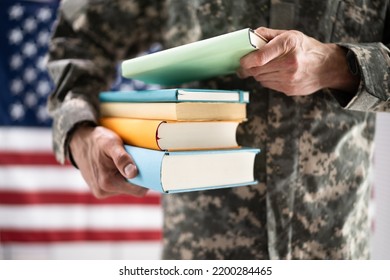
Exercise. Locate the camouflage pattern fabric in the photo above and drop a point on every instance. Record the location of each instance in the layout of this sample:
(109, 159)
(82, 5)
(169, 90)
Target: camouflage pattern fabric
(314, 169)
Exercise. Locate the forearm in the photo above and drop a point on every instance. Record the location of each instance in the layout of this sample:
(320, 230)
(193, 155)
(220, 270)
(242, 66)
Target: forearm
(80, 71)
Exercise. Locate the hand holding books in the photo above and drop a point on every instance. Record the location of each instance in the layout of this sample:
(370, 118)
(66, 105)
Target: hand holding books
(91, 145)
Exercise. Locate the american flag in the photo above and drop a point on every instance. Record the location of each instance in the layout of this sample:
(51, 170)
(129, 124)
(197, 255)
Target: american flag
(46, 210)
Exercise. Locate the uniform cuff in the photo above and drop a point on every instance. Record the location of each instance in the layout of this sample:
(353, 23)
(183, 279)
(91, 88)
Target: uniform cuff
(72, 113)
(373, 62)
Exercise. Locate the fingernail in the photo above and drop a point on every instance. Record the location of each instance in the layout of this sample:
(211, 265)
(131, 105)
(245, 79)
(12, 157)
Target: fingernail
(130, 170)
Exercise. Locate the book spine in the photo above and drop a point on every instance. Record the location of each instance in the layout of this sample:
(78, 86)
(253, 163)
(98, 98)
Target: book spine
(170, 95)
(148, 163)
(135, 132)
(160, 95)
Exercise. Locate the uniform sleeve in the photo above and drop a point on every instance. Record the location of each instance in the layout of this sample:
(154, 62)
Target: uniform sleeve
(374, 66)
(89, 40)
(373, 63)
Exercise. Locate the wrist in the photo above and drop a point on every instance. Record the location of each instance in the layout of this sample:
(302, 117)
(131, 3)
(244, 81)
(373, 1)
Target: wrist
(77, 138)
(343, 70)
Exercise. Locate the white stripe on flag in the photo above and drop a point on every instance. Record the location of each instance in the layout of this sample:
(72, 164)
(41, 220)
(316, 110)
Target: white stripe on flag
(25, 139)
(37, 178)
(84, 251)
(75, 217)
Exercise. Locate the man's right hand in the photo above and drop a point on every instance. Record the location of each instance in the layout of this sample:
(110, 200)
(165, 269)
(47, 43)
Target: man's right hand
(104, 163)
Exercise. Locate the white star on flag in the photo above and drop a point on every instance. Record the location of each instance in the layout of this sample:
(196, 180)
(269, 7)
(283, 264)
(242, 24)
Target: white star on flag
(30, 74)
(43, 88)
(16, 62)
(44, 14)
(17, 111)
(15, 36)
(30, 100)
(43, 38)
(16, 86)
(30, 25)
(29, 49)
(16, 12)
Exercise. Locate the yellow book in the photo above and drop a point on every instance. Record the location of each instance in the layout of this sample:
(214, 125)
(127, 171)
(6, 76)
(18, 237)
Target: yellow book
(184, 111)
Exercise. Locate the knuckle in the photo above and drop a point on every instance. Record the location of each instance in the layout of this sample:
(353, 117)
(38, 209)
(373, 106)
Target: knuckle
(261, 29)
(121, 157)
(260, 58)
(295, 34)
(108, 141)
(293, 39)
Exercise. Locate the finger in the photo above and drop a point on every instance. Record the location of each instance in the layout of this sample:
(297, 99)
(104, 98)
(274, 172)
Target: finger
(267, 53)
(243, 73)
(118, 184)
(268, 78)
(270, 68)
(268, 33)
(123, 161)
(131, 189)
(271, 85)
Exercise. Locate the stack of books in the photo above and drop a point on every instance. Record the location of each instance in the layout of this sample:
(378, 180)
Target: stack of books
(184, 139)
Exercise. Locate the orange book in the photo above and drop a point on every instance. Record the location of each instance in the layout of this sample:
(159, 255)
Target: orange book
(174, 135)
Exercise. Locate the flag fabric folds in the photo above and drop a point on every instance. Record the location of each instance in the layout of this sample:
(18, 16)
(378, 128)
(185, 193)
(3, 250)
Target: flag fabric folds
(46, 209)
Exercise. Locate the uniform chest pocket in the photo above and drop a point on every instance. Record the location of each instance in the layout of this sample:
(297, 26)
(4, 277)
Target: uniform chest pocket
(349, 20)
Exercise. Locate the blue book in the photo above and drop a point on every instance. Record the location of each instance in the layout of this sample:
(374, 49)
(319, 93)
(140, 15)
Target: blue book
(181, 171)
(176, 95)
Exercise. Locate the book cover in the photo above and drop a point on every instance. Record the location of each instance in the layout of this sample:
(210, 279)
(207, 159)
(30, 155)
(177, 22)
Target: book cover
(199, 60)
(170, 172)
(173, 135)
(176, 95)
(183, 111)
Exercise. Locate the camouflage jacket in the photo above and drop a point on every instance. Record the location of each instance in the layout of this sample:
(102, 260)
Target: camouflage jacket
(314, 169)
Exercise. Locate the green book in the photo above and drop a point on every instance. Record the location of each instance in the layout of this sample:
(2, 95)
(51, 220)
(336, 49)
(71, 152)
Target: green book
(195, 61)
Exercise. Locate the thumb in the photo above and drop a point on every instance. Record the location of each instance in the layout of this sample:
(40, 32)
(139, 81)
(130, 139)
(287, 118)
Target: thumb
(124, 162)
(269, 33)
(280, 45)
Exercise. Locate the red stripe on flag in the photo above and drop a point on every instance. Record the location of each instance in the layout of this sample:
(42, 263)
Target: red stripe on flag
(28, 158)
(32, 236)
(28, 198)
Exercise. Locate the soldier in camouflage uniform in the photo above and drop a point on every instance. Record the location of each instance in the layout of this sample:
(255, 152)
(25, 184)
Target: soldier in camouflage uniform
(317, 143)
